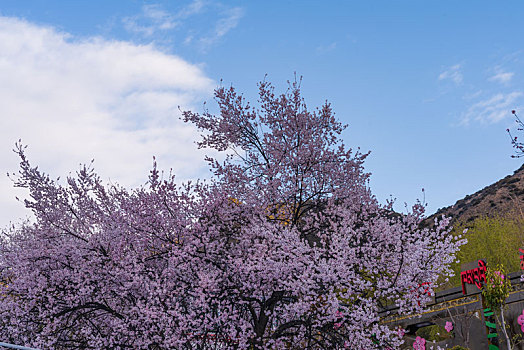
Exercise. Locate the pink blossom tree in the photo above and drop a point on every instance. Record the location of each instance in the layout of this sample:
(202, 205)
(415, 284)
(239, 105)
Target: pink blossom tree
(286, 247)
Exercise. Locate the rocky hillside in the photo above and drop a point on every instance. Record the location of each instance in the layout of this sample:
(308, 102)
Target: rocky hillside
(506, 195)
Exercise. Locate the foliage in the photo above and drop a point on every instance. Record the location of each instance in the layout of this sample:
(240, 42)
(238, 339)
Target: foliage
(495, 292)
(259, 258)
(495, 239)
(458, 347)
(497, 287)
(433, 333)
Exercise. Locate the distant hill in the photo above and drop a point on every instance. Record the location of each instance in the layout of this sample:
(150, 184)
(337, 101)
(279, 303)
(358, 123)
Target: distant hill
(506, 195)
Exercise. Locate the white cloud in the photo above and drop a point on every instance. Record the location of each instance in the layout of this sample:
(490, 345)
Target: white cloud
(502, 77)
(113, 101)
(493, 109)
(472, 95)
(228, 21)
(193, 8)
(323, 49)
(154, 20)
(225, 23)
(453, 73)
(151, 20)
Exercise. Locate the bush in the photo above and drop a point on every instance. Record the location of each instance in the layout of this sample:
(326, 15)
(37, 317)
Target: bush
(458, 347)
(495, 239)
(433, 333)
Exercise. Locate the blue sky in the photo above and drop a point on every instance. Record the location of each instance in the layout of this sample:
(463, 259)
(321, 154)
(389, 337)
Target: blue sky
(426, 86)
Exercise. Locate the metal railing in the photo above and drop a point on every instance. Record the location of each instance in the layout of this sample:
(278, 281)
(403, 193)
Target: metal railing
(12, 346)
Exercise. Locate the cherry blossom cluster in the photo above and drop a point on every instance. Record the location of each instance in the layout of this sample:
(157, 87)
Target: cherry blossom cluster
(285, 248)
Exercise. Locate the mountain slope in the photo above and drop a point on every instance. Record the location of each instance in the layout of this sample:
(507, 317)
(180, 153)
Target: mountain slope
(505, 195)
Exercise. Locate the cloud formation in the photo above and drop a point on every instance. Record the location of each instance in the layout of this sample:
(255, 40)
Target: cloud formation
(323, 49)
(452, 73)
(74, 100)
(502, 77)
(154, 21)
(493, 109)
(154, 18)
(228, 20)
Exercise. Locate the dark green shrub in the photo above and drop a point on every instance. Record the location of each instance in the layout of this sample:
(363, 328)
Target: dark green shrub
(433, 333)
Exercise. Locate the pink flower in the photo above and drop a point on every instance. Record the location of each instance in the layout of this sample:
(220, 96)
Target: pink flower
(419, 344)
(401, 332)
(449, 326)
(520, 321)
(498, 273)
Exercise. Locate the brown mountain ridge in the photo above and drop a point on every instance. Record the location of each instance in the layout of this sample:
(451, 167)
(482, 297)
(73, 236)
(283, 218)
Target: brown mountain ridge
(502, 197)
